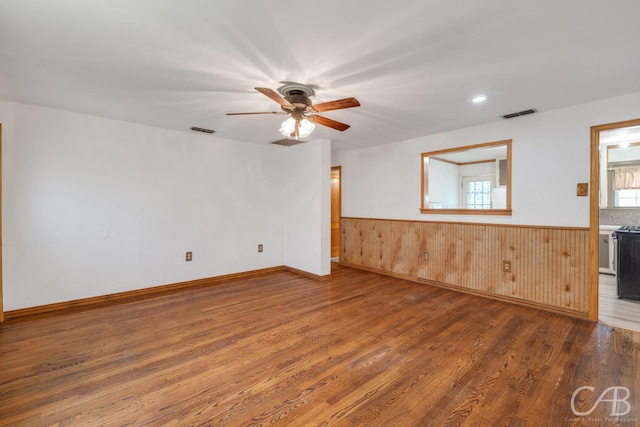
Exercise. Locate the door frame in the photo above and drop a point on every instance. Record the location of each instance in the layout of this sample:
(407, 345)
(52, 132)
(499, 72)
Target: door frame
(338, 169)
(594, 212)
(1, 301)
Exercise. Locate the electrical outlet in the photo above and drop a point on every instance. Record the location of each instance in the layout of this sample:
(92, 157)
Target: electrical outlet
(425, 256)
(260, 247)
(188, 256)
(506, 266)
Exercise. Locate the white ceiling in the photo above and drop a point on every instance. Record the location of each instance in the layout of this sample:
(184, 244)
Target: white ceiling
(413, 64)
(629, 134)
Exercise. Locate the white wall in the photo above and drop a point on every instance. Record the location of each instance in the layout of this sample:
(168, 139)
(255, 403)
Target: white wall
(551, 154)
(477, 169)
(94, 206)
(307, 207)
(444, 185)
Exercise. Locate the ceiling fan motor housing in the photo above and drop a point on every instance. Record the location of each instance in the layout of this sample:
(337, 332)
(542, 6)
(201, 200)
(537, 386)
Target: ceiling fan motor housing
(298, 98)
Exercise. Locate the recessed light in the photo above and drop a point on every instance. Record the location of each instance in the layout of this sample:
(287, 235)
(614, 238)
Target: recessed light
(478, 99)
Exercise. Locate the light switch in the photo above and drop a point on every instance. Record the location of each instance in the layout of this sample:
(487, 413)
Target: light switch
(583, 189)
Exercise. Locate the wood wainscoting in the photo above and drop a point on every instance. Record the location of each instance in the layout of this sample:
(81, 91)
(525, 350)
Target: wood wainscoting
(549, 266)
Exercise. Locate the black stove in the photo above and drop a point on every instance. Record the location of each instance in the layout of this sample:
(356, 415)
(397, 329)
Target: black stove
(628, 261)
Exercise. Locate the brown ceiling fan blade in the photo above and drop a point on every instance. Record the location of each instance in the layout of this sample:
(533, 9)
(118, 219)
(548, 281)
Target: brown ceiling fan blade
(336, 105)
(275, 96)
(330, 123)
(267, 112)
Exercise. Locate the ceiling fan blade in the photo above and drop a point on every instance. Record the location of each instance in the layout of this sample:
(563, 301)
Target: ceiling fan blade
(275, 96)
(336, 105)
(267, 112)
(330, 123)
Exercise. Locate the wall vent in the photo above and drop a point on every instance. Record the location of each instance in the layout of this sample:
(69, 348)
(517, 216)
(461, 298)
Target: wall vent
(519, 113)
(203, 130)
(287, 142)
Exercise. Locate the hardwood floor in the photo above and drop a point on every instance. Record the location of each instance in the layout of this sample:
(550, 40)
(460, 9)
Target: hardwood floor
(282, 349)
(613, 311)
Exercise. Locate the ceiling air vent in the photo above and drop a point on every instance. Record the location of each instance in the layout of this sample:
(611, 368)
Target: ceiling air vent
(519, 113)
(287, 142)
(203, 130)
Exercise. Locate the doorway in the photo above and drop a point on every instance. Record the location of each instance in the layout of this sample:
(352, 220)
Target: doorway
(595, 202)
(336, 201)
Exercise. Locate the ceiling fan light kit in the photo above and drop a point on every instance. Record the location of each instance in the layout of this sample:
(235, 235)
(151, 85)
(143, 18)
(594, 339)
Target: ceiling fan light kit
(294, 100)
(304, 128)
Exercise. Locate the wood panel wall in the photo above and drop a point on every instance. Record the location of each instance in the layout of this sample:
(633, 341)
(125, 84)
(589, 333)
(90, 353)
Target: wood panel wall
(549, 265)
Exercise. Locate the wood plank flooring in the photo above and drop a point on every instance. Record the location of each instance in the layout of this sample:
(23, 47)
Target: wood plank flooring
(358, 349)
(613, 311)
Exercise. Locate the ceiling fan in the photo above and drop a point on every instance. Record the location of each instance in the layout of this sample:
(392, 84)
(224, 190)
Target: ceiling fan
(294, 100)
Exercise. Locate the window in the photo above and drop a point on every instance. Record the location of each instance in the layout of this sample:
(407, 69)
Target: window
(477, 193)
(627, 198)
(624, 185)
